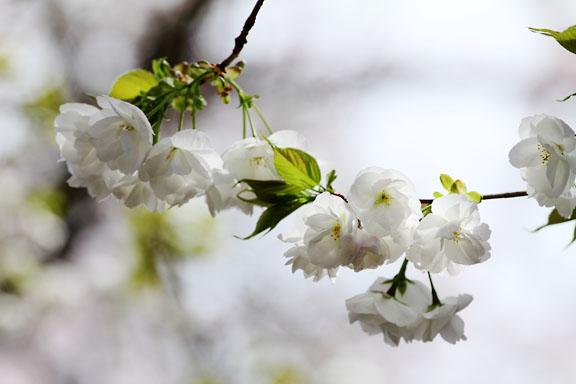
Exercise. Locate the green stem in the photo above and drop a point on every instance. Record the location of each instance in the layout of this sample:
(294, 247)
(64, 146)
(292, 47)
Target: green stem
(251, 122)
(435, 298)
(262, 118)
(400, 276)
(243, 123)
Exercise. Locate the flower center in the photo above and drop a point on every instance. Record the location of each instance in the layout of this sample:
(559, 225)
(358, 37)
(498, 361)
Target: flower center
(383, 198)
(457, 235)
(544, 154)
(258, 161)
(126, 127)
(335, 232)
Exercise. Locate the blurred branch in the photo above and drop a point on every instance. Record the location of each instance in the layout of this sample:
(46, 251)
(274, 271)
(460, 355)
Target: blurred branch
(241, 40)
(170, 35)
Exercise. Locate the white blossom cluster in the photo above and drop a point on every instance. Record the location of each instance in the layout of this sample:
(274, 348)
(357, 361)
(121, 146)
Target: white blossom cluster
(546, 157)
(109, 151)
(381, 221)
(407, 315)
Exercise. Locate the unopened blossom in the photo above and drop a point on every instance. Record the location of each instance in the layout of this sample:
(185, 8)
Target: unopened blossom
(180, 167)
(546, 156)
(451, 234)
(379, 312)
(253, 158)
(386, 203)
(120, 133)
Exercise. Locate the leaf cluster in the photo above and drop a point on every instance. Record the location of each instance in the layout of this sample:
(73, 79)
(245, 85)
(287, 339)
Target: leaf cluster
(457, 187)
(175, 86)
(300, 185)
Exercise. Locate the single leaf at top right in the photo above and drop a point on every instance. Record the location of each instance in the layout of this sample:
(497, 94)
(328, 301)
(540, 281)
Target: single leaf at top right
(566, 38)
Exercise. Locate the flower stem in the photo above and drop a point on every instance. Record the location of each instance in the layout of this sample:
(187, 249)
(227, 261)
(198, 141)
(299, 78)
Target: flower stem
(435, 299)
(262, 118)
(400, 277)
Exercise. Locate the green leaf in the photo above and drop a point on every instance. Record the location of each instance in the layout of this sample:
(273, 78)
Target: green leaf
(567, 97)
(273, 191)
(446, 181)
(566, 38)
(458, 187)
(330, 178)
(297, 167)
(555, 218)
(161, 67)
(273, 215)
(474, 196)
(437, 194)
(129, 85)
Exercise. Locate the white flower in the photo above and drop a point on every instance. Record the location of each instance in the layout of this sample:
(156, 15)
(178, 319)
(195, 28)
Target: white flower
(298, 258)
(134, 192)
(452, 233)
(409, 315)
(180, 167)
(72, 127)
(546, 157)
(373, 251)
(442, 319)
(330, 231)
(120, 133)
(378, 312)
(386, 203)
(223, 194)
(253, 158)
(325, 236)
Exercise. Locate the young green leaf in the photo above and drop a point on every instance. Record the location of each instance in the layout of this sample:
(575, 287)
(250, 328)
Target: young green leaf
(474, 196)
(273, 215)
(437, 195)
(129, 85)
(330, 178)
(446, 181)
(458, 187)
(297, 167)
(566, 38)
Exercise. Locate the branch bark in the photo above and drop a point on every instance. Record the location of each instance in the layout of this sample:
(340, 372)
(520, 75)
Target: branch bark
(506, 195)
(241, 40)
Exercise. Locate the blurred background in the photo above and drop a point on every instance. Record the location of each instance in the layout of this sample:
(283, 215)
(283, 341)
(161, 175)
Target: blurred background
(97, 293)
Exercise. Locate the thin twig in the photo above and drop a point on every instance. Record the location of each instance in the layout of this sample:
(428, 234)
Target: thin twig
(489, 197)
(240, 41)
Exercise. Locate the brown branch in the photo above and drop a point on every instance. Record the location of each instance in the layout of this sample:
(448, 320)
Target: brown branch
(240, 41)
(488, 197)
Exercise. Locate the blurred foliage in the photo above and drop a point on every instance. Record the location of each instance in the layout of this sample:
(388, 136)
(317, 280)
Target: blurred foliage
(168, 237)
(4, 64)
(43, 110)
(49, 199)
(286, 375)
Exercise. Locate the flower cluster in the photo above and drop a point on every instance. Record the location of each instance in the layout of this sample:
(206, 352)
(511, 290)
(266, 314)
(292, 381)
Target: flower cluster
(381, 221)
(109, 150)
(546, 157)
(408, 315)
